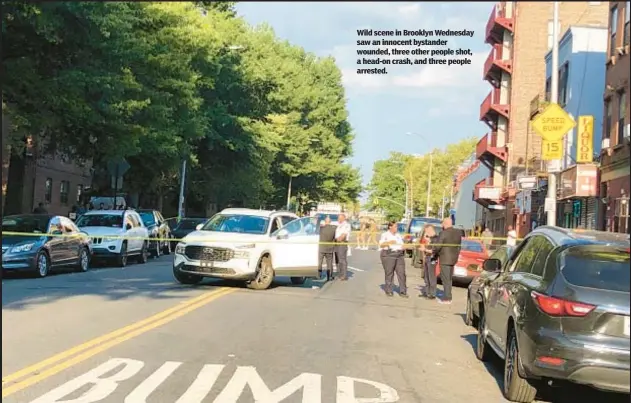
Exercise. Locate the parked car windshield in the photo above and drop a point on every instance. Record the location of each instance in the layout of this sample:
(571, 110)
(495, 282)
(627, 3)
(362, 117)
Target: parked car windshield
(147, 218)
(245, 224)
(597, 267)
(189, 223)
(26, 223)
(416, 225)
(100, 220)
(471, 246)
(334, 217)
(401, 227)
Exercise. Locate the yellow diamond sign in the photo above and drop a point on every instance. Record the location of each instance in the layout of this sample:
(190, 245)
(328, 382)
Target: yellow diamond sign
(553, 123)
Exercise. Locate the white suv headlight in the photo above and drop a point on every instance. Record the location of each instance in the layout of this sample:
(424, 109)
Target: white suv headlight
(180, 248)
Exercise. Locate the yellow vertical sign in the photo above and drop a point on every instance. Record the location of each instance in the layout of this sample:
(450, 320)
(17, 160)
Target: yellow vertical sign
(585, 148)
(551, 150)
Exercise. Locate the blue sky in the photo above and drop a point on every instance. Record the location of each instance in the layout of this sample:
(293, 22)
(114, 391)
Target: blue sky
(440, 103)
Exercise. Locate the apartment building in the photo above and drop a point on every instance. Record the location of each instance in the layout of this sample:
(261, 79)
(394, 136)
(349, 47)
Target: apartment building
(519, 33)
(614, 169)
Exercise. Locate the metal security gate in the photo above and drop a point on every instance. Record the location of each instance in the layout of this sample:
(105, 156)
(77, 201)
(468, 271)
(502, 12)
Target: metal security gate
(591, 212)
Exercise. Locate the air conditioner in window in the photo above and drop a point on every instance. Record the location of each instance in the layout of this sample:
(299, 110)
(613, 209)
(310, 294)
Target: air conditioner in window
(606, 143)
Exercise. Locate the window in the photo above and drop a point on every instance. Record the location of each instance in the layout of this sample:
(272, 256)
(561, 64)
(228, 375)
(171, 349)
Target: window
(48, 195)
(68, 225)
(79, 193)
(613, 24)
(523, 263)
(622, 111)
(608, 117)
(627, 9)
(64, 188)
(603, 268)
(286, 219)
(135, 220)
(564, 73)
(545, 247)
(548, 87)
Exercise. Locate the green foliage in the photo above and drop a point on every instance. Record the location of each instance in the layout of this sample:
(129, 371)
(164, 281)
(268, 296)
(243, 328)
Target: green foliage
(387, 181)
(158, 82)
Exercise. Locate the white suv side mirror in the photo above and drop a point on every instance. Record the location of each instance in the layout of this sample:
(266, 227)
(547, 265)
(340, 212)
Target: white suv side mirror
(198, 227)
(282, 234)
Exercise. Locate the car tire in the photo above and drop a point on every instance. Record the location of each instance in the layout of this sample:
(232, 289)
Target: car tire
(166, 248)
(144, 253)
(185, 278)
(516, 388)
(298, 280)
(264, 275)
(482, 349)
(121, 259)
(83, 262)
(42, 264)
(468, 316)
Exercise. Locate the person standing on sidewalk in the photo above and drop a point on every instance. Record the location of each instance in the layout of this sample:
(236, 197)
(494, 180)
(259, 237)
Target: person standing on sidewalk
(391, 245)
(342, 236)
(327, 247)
(363, 233)
(428, 237)
(511, 237)
(487, 238)
(447, 250)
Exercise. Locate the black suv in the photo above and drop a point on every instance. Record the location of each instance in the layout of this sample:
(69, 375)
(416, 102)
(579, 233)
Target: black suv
(559, 310)
(159, 232)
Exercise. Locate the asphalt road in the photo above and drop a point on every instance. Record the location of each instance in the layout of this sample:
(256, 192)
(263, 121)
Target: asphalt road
(339, 341)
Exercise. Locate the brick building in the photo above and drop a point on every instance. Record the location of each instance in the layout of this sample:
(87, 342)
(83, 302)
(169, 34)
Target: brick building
(520, 34)
(30, 177)
(614, 169)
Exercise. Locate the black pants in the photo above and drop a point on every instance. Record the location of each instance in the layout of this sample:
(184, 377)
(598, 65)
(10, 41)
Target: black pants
(328, 256)
(446, 277)
(429, 271)
(341, 256)
(393, 262)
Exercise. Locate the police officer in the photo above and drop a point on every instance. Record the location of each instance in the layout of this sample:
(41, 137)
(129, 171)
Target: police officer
(327, 247)
(391, 245)
(342, 236)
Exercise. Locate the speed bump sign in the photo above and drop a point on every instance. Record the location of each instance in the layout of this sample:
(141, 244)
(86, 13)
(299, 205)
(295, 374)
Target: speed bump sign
(553, 123)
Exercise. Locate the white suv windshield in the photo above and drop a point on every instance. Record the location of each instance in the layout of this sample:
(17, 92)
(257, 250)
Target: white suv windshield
(100, 220)
(242, 224)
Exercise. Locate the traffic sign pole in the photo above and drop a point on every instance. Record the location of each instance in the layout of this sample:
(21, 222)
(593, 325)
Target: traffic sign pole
(554, 99)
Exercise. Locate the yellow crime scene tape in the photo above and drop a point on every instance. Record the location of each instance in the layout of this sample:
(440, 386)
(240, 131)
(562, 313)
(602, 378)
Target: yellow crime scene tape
(204, 239)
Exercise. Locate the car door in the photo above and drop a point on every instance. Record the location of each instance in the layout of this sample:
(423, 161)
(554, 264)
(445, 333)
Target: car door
(131, 234)
(505, 286)
(295, 249)
(73, 241)
(139, 231)
(57, 242)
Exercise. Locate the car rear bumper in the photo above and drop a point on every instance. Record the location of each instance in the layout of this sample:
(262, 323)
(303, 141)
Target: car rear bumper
(598, 365)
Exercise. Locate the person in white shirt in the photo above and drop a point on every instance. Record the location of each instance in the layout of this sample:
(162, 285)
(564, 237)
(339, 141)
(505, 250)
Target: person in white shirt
(342, 236)
(391, 246)
(511, 237)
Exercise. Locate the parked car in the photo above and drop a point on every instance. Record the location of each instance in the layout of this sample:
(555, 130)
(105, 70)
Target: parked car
(477, 287)
(116, 234)
(414, 228)
(158, 230)
(472, 255)
(184, 227)
(249, 245)
(55, 242)
(559, 310)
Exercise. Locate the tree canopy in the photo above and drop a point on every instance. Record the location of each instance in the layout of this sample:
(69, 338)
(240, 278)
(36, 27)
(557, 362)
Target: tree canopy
(158, 82)
(387, 186)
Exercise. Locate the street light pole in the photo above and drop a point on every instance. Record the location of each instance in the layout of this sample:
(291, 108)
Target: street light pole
(289, 192)
(442, 208)
(429, 183)
(180, 207)
(554, 98)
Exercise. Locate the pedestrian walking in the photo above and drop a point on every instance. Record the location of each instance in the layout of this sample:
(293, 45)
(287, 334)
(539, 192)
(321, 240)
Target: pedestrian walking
(447, 250)
(327, 247)
(363, 234)
(428, 237)
(372, 234)
(342, 236)
(40, 209)
(391, 245)
(511, 237)
(487, 237)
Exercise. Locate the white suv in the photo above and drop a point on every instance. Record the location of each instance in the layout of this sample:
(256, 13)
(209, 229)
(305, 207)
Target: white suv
(249, 245)
(116, 234)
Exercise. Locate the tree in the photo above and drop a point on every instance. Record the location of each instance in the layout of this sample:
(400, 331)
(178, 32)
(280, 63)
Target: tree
(387, 187)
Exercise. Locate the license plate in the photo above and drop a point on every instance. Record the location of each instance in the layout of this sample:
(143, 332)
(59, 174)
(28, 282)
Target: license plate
(626, 326)
(460, 272)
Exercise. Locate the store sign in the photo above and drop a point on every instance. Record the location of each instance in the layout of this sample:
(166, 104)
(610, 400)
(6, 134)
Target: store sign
(527, 182)
(585, 149)
(490, 193)
(579, 181)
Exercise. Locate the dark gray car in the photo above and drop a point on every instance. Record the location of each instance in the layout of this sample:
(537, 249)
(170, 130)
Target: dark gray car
(559, 310)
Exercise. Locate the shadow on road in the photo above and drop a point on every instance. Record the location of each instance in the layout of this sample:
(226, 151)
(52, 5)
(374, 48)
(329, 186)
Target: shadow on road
(564, 393)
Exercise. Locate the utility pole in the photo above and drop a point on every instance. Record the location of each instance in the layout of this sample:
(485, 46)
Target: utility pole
(442, 207)
(429, 183)
(289, 193)
(180, 207)
(554, 98)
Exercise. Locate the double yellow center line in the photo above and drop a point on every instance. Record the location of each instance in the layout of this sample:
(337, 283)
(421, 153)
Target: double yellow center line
(44, 369)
